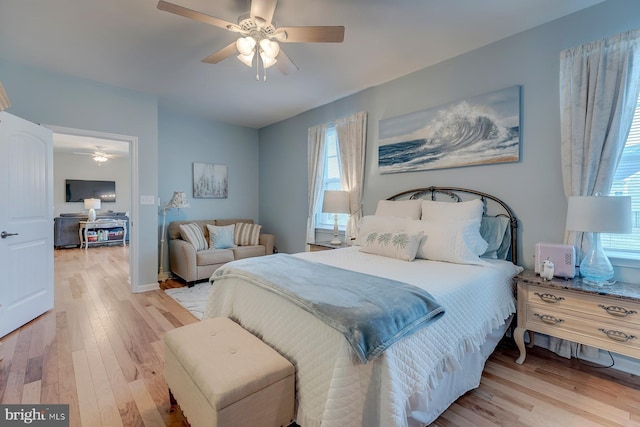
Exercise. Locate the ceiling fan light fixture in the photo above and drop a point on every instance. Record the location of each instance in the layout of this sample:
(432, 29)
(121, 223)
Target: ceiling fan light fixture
(270, 48)
(100, 159)
(267, 61)
(247, 59)
(246, 45)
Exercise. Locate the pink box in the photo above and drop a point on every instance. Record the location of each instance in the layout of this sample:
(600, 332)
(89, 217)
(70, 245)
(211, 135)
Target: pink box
(562, 256)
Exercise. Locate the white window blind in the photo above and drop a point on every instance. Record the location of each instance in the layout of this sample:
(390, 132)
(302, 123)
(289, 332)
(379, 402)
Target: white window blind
(332, 181)
(626, 182)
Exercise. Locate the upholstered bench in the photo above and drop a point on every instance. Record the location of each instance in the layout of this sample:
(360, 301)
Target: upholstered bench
(222, 375)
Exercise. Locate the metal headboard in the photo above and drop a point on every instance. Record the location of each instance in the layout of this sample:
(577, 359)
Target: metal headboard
(453, 193)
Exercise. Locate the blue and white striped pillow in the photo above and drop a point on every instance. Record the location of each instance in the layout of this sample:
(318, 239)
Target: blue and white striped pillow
(221, 237)
(193, 234)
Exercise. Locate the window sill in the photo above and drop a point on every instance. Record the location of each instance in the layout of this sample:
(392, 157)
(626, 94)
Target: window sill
(626, 260)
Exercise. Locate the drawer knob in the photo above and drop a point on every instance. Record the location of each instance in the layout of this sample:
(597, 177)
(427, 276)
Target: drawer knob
(550, 298)
(617, 335)
(617, 311)
(549, 320)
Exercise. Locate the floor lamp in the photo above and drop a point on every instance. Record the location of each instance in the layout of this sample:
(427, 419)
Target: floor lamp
(178, 201)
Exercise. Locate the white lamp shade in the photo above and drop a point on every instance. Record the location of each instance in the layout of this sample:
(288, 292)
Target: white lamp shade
(270, 48)
(336, 202)
(179, 200)
(92, 203)
(245, 45)
(599, 214)
(246, 59)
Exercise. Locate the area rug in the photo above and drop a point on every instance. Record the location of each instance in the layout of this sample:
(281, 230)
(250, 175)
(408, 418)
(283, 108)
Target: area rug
(193, 299)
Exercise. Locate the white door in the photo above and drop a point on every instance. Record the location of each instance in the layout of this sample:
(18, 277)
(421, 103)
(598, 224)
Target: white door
(26, 221)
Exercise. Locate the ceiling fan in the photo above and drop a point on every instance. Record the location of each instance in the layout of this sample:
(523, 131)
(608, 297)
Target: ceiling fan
(99, 155)
(259, 37)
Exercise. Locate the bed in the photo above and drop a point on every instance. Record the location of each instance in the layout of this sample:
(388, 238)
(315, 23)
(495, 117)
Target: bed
(417, 377)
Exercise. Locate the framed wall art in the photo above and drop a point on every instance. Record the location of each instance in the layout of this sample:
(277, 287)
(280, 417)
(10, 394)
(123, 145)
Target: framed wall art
(481, 130)
(209, 181)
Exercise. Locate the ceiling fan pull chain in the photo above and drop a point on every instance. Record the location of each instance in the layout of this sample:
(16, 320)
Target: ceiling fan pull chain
(257, 65)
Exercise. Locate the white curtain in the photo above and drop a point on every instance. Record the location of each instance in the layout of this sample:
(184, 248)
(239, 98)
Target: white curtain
(315, 166)
(599, 85)
(352, 137)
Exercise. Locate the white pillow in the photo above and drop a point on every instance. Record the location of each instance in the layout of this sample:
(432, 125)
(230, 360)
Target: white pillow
(403, 208)
(221, 237)
(451, 241)
(381, 224)
(452, 211)
(402, 245)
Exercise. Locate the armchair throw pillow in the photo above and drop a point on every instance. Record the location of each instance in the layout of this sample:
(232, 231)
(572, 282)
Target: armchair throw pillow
(193, 234)
(246, 234)
(221, 237)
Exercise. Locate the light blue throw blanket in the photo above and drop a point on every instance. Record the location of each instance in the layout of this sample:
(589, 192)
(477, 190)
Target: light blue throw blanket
(371, 312)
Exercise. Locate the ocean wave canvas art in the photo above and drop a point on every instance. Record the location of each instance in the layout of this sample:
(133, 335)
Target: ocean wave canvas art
(481, 130)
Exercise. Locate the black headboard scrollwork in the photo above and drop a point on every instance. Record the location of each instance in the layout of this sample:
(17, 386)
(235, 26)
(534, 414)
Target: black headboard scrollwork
(493, 206)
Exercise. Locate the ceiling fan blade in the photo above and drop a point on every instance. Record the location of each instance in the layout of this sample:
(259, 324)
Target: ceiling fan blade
(223, 53)
(284, 64)
(312, 34)
(263, 9)
(192, 14)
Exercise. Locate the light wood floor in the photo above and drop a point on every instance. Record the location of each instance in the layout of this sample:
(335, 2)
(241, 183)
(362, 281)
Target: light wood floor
(100, 351)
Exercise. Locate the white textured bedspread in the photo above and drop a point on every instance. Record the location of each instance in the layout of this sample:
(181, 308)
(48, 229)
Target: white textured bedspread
(332, 387)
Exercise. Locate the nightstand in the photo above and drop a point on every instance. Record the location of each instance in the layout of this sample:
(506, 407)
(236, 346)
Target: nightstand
(602, 317)
(324, 246)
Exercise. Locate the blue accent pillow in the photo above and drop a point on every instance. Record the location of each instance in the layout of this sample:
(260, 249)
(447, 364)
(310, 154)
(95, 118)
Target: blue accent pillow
(221, 237)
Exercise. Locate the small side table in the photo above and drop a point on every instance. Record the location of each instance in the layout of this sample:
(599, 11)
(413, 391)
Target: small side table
(602, 317)
(324, 246)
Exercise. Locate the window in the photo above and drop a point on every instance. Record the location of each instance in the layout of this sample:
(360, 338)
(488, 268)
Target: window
(626, 182)
(331, 181)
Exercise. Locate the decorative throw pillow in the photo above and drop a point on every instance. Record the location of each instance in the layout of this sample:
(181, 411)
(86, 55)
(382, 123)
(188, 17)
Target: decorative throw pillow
(402, 246)
(452, 211)
(495, 230)
(221, 237)
(385, 224)
(453, 241)
(246, 234)
(193, 234)
(404, 208)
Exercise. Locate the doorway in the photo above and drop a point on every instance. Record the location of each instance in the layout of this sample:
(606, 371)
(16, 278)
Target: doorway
(103, 156)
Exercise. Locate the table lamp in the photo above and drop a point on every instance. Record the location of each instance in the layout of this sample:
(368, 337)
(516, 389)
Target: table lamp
(178, 201)
(598, 214)
(92, 205)
(335, 202)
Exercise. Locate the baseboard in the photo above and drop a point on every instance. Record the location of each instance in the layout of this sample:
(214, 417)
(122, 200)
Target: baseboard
(145, 288)
(621, 363)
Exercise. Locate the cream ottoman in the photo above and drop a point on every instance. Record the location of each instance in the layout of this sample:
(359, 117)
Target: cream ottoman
(222, 375)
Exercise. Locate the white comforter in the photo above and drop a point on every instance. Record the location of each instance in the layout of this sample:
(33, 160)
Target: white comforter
(332, 388)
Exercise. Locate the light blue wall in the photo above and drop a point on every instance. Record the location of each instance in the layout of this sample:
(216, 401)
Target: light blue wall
(532, 187)
(184, 140)
(61, 100)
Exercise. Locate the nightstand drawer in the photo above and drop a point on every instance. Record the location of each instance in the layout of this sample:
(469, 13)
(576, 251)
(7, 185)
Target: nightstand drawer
(615, 335)
(606, 308)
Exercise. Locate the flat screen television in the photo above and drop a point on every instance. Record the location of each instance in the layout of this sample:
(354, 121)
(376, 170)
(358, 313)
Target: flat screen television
(76, 190)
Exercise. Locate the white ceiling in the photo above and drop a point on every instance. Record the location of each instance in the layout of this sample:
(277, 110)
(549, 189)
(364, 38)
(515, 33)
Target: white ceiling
(132, 44)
